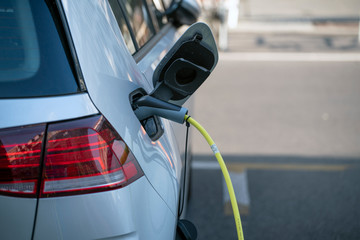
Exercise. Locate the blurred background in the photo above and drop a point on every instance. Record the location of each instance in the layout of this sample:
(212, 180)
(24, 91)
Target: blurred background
(283, 106)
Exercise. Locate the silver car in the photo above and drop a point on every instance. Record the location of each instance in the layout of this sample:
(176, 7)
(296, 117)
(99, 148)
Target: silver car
(75, 161)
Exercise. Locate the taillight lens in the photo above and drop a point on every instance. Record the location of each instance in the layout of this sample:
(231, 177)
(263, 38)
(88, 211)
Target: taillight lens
(81, 156)
(20, 156)
(86, 155)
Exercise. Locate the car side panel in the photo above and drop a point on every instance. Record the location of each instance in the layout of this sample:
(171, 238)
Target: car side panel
(17, 217)
(18, 214)
(147, 66)
(26, 111)
(111, 74)
(117, 214)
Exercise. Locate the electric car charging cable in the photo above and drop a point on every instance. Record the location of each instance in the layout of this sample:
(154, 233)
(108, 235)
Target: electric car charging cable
(224, 171)
(148, 106)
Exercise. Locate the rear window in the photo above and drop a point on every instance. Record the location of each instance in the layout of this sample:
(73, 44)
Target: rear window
(32, 59)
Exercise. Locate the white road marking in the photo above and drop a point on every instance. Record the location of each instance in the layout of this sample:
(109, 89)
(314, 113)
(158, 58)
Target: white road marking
(240, 184)
(239, 167)
(205, 165)
(263, 27)
(238, 175)
(289, 57)
(295, 28)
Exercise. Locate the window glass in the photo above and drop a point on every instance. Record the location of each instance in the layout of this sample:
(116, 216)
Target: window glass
(167, 3)
(156, 9)
(122, 25)
(32, 58)
(139, 20)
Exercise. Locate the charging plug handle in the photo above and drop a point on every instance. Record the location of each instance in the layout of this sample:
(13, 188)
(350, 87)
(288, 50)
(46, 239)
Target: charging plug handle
(148, 106)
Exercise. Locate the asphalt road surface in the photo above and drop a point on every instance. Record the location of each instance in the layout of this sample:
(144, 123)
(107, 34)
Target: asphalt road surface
(288, 125)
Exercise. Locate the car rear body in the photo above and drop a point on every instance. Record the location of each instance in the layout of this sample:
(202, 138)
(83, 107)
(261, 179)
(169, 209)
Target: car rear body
(77, 65)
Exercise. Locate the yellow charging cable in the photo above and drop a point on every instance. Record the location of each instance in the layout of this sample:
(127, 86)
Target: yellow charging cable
(225, 173)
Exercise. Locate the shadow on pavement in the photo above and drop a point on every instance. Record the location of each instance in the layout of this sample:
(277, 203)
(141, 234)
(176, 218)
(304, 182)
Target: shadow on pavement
(289, 197)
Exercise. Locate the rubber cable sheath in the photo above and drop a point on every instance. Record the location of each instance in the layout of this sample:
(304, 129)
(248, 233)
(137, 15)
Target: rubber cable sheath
(225, 173)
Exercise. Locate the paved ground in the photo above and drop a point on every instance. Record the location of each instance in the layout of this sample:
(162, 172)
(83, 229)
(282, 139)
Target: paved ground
(281, 107)
(300, 8)
(284, 110)
(290, 197)
(296, 37)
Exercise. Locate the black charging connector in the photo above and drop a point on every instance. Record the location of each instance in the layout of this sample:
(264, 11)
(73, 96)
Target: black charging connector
(149, 109)
(147, 106)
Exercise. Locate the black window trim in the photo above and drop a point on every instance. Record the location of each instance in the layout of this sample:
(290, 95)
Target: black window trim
(131, 30)
(152, 27)
(127, 21)
(140, 52)
(69, 47)
(148, 46)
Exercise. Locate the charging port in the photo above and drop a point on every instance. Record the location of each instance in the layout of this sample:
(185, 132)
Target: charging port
(152, 125)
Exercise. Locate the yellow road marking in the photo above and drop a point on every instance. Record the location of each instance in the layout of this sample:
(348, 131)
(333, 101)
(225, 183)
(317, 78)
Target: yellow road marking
(240, 167)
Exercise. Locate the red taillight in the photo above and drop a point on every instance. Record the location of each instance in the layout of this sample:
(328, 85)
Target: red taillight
(86, 155)
(20, 155)
(81, 156)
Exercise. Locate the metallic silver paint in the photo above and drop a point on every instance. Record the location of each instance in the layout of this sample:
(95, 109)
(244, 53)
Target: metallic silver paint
(119, 214)
(26, 111)
(147, 208)
(110, 75)
(17, 217)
